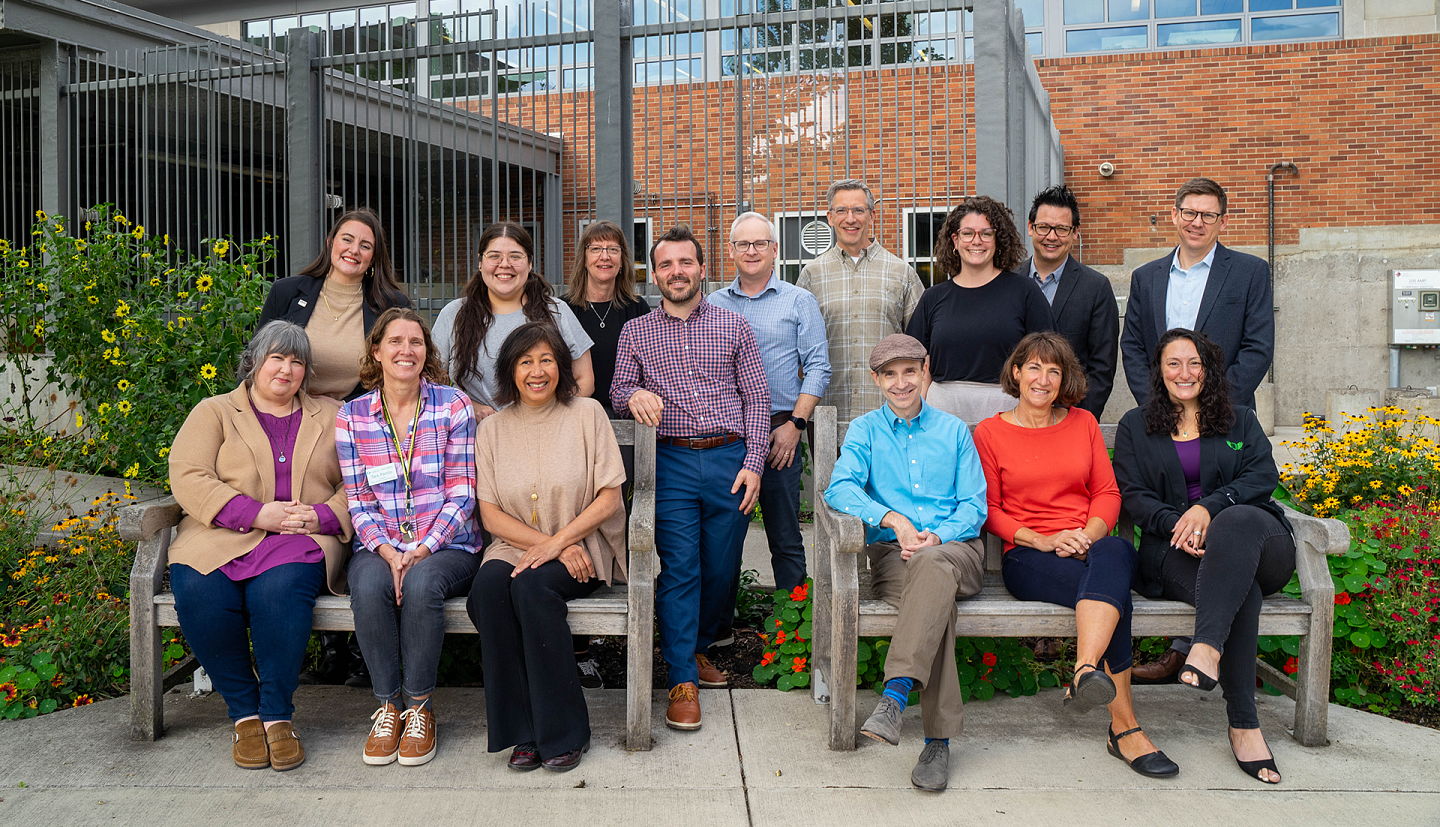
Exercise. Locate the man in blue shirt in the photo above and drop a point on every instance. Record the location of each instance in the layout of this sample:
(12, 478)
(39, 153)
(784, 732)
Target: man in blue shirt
(910, 471)
(791, 333)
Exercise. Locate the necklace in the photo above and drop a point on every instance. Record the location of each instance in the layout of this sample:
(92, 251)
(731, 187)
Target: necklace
(1180, 426)
(336, 316)
(280, 448)
(608, 308)
(1016, 416)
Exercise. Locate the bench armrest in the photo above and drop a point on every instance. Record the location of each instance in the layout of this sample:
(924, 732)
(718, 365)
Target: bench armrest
(1316, 539)
(143, 524)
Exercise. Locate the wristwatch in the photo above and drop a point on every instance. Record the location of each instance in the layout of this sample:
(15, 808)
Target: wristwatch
(799, 422)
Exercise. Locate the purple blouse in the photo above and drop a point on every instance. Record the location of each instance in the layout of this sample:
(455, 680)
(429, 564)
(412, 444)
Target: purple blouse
(239, 514)
(1189, 453)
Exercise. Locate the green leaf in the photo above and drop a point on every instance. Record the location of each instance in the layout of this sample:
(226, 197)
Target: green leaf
(864, 651)
(1047, 680)
(39, 658)
(1290, 645)
(785, 683)
(808, 610)
(26, 681)
(967, 673)
(1268, 643)
(790, 616)
(983, 691)
(1377, 565)
(46, 671)
(1361, 639)
(48, 705)
(805, 630)
(1341, 628)
(762, 674)
(1000, 682)
(1354, 582)
(800, 679)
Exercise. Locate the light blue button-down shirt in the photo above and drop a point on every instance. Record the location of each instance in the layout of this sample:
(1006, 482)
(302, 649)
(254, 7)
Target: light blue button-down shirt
(1050, 284)
(926, 470)
(1185, 290)
(791, 334)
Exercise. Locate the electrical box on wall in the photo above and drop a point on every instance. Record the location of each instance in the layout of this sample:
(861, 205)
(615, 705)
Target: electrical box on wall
(1415, 307)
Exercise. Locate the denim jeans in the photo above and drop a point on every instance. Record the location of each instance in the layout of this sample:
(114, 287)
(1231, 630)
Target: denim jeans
(410, 634)
(699, 529)
(1103, 575)
(276, 606)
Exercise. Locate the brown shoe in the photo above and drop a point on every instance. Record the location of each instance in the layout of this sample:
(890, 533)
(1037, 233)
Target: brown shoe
(383, 745)
(1163, 670)
(710, 675)
(684, 711)
(250, 750)
(286, 752)
(417, 742)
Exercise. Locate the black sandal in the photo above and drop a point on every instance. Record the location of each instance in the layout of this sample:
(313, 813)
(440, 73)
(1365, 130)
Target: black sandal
(1203, 682)
(1088, 690)
(1253, 768)
(1151, 764)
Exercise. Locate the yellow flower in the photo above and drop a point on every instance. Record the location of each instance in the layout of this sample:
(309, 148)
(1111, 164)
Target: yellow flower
(1376, 484)
(43, 287)
(80, 244)
(122, 220)
(107, 335)
(123, 407)
(122, 310)
(155, 281)
(1405, 490)
(39, 328)
(139, 232)
(207, 371)
(132, 471)
(41, 216)
(93, 299)
(184, 294)
(22, 263)
(221, 248)
(164, 452)
(166, 240)
(79, 421)
(104, 408)
(204, 283)
(123, 385)
(145, 255)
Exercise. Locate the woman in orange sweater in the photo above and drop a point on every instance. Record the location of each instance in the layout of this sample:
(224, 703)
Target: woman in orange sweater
(1053, 500)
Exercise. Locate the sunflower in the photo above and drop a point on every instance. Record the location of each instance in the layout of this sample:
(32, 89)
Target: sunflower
(107, 335)
(204, 283)
(123, 406)
(207, 371)
(123, 385)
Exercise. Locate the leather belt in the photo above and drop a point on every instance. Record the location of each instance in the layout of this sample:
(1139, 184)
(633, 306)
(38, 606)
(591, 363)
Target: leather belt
(699, 443)
(779, 418)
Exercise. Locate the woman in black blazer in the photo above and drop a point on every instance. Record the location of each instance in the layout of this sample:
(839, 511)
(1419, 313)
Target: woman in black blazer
(1196, 474)
(337, 299)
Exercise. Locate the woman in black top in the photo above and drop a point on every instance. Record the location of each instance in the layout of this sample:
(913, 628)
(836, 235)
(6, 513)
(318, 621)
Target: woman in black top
(1196, 474)
(972, 321)
(602, 295)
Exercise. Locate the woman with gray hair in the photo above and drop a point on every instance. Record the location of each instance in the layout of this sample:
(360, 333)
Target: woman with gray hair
(265, 529)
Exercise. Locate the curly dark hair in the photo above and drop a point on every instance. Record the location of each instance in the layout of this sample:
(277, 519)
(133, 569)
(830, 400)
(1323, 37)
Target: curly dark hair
(379, 287)
(1009, 247)
(1215, 417)
(517, 344)
(371, 374)
(1051, 348)
(473, 320)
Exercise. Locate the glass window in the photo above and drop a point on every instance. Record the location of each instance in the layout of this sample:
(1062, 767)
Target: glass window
(1220, 6)
(1121, 10)
(1037, 43)
(577, 78)
(1033, 12)
(922, 227)
(1271, 5)
(1106, 40)
(1198, 33)
(1315, 4)
(1084, 11)
(343, 32)
(257, 33)
(1174, 8)
(936, 23)
(1295, 27)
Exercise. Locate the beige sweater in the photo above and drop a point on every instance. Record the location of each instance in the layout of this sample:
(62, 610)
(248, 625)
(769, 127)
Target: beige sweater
(336, 345)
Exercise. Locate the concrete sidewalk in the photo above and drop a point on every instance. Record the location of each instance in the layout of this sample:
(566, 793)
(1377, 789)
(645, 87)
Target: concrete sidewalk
(759, 760)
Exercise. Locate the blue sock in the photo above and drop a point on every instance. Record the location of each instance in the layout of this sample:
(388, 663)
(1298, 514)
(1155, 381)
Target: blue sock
(899, 690)
(945, 741)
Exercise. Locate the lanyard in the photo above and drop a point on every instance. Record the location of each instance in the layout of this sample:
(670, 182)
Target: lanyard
(407, 526)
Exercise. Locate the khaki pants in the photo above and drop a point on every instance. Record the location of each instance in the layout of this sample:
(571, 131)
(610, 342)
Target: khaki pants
(925, 589)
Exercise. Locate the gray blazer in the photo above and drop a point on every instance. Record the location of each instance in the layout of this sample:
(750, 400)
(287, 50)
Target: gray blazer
(1237, 313)
(1084, 311)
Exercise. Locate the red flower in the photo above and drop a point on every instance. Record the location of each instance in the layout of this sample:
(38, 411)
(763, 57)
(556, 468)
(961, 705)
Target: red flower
(778, 623)
(9, 640)
(59, 598)
(780, 636)
(988, 658)
(1342, 599)
(799, 665)
(768, 659)
(800, 592)
(57, 680)
(83, 700)
(1292, 666)
(9, 690)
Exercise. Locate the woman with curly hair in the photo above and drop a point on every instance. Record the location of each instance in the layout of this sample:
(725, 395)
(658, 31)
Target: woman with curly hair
(970, 322)
(1196, 474)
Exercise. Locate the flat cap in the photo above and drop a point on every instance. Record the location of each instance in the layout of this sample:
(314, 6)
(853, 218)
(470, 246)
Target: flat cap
(896, 346)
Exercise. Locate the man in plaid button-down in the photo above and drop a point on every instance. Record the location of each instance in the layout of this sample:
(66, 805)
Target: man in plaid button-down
(694, 371)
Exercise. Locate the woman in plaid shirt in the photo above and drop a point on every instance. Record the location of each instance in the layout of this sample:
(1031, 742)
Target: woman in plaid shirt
(407, 452)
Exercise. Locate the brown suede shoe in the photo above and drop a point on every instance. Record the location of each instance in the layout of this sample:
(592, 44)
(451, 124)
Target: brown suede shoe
(710, 675)
(417, 742)
(684, 711)
(1163, 670)
(383, 745)
(250, 750)
(286, 752)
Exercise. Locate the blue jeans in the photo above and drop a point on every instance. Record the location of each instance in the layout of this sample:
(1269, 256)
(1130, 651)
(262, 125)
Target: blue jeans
(411, 633)
(1103, 575)
(699, 529)
(276, 607)
(780, 507)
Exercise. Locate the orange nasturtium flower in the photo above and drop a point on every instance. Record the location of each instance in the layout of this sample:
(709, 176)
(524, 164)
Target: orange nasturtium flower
(767, 659)
(799, 665)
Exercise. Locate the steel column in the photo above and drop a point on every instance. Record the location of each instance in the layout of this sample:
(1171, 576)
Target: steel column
(303, 123)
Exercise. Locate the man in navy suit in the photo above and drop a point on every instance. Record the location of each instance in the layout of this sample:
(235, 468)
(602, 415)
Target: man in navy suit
(1082, 303)
(1206, 287)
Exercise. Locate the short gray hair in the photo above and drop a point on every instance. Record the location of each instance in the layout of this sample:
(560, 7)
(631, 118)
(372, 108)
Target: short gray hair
(753, 216)
(278, 336)
(849, 184)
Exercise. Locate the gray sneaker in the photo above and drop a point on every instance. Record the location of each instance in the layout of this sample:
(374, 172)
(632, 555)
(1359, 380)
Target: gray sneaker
(884, 723)
(932, 771)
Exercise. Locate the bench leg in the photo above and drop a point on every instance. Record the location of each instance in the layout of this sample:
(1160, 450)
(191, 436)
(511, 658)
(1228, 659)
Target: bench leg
(844, 648)
(821, 623)
(639, 651)
(1312, 690)
(147, 687)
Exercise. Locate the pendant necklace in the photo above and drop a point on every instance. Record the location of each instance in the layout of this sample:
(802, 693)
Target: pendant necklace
(280, 448)
(328, 306)
(602, 319)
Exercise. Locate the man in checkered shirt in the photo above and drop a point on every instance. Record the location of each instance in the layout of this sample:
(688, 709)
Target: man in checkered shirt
(693, 370)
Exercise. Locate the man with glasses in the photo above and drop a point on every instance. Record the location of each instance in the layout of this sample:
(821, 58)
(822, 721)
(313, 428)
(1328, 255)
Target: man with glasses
(1082, 303)
(865, 293)
(1206, 287)
(791, 334)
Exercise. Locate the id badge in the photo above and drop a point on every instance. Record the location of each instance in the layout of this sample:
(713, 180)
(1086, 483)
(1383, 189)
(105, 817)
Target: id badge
(379, 474)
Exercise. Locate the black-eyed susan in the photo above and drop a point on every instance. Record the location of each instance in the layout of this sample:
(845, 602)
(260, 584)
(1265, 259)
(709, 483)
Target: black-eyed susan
(123, 385)
(204, 283)
(123, 406)
(207, 371)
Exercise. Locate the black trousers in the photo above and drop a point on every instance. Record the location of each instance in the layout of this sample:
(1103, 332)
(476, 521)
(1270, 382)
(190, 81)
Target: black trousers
(1248, 554)
(532, 688)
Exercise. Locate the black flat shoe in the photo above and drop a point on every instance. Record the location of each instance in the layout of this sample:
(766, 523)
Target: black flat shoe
(1088, 690)
(1253, 768)
(1203, 682)
(566, 761)
(1151, 764)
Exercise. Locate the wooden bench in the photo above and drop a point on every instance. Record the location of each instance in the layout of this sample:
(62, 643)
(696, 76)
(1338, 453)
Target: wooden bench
(627, 610)
(844, 609)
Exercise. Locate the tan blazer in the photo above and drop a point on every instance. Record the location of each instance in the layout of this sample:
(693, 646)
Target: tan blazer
(222, 451)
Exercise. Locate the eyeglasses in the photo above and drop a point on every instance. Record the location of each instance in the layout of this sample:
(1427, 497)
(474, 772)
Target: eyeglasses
(1060, 230)
(858, 212)
(495, 258)
(603, 251)
(1208, 217)
(969, 235)
(746, 246)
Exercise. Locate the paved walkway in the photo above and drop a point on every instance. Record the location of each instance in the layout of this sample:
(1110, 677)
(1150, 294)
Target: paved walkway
(759, 760)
